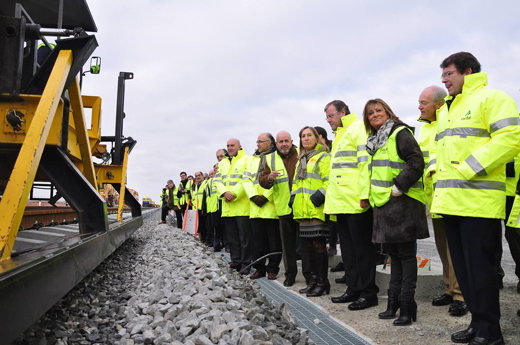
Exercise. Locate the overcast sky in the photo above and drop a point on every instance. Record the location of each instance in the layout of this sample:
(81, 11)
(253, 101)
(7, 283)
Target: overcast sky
(207, 71)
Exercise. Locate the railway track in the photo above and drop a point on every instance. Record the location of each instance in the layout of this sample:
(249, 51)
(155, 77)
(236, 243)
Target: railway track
(49, 262)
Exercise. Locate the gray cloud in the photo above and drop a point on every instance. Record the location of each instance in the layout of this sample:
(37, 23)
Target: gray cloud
(206, 71)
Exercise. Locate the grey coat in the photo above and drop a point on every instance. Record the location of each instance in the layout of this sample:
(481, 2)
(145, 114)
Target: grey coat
(402, 218)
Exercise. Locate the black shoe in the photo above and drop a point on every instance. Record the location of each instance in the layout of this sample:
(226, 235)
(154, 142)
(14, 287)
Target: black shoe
(339, 268)
(311, 284)
(464, 336)
(342, 280)
(483, 341)
(322, 287)
(234, 266)
(458, 308)
(362, 303)
(393, 305)
(289, 281)
(442, 300)
(345, 298)
(407, 314)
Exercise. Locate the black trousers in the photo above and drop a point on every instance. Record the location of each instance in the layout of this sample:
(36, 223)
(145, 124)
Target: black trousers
(403, 269)
(289, 232)
(201, 227)
(216, 224)
(358, 253)
(266, 239)
(472, 243)
(333, 235)
(513, 237)
(239, 236)
(164, 212)
(180, 216)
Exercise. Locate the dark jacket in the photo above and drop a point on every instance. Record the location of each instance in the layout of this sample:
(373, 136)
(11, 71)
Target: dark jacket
(402, 218)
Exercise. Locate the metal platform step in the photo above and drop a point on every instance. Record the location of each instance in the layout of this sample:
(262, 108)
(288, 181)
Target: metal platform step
(328, 331)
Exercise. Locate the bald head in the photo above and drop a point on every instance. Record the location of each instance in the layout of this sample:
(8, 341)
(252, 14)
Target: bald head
(264, 141)
(233, 146)
(284, 142)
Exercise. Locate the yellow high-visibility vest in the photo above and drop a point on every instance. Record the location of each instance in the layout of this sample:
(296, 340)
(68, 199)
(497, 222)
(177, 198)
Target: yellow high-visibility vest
(349, 181)
(477, 135)
(384, 166)
(318, 168)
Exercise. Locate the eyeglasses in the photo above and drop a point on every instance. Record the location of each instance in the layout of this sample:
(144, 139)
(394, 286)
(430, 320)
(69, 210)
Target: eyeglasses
(331, 115)
(262, 141)
(447, 75)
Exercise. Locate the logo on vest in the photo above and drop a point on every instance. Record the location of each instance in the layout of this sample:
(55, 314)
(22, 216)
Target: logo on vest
(467, 116)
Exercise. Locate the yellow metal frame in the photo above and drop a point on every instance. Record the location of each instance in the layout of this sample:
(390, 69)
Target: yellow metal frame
(123, 186)
(20, 182)
(76, 103)
(108, 173)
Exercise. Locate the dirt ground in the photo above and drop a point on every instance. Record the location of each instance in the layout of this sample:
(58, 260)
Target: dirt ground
(434, 325)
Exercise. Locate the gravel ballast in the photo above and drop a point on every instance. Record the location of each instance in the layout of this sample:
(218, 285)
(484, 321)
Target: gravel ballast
(163, 287)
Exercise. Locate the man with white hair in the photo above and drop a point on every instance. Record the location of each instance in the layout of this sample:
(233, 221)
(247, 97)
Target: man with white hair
(431, 100)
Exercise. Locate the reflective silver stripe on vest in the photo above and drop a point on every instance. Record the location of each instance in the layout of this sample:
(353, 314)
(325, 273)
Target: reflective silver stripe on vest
(232, 183)
(362, 159)
(476, 166)
(387, 163)
(344, 165)
(381, 183)
(388, 184)
(426, 153)
(494, 185)
(303, 190)
(281, 180)
(345, 154)
(463, 132)
(361, 147)
(217, 181)
(314, 176)
(322, 191)
(247, 173)
(256, 182)
(235, 176)
(325, 178)
(432, 162)
(273, 160)
(511, 121)
(224, 177)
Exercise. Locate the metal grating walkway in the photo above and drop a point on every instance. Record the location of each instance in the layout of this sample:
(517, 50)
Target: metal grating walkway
(327, 332)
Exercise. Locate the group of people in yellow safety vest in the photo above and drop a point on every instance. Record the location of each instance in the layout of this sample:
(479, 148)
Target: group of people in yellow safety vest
(375, 185)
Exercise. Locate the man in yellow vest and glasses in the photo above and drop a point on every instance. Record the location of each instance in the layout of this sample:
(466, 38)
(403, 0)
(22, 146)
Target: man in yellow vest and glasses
(477, 134)
(235, 204)
(431, 101)
(347, 199)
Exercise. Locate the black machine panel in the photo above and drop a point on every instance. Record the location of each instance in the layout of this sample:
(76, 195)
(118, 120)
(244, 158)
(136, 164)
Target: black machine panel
(45, 12)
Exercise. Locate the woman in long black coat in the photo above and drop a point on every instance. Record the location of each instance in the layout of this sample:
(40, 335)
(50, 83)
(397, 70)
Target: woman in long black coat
(398, 202)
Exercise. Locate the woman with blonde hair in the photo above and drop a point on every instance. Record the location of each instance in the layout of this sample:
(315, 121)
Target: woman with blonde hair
(396, 167)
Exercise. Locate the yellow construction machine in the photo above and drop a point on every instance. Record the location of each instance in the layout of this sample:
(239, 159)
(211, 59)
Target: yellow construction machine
(44, 138)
